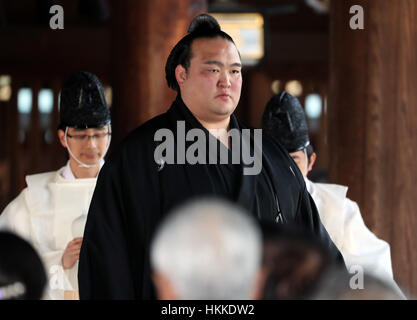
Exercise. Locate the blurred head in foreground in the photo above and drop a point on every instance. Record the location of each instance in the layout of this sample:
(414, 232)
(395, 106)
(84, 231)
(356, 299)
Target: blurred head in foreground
(293, 262)
(207, 249)
(22, 274)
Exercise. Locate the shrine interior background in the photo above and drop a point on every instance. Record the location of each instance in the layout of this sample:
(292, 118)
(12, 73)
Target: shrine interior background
(357, 88)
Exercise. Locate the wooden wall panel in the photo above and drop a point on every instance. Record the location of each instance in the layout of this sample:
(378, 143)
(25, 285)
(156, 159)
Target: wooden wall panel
(373, 121)
(144, 32)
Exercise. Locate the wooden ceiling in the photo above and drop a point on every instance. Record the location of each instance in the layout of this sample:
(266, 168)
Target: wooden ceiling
(81, 12)
(296, 36)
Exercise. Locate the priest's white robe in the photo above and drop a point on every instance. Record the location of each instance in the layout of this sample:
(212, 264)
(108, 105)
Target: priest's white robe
(50, 212)
(343, 221)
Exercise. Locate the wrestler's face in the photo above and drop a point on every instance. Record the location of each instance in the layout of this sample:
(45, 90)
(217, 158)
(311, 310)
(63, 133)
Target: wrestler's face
(88, 145)
(211, 86)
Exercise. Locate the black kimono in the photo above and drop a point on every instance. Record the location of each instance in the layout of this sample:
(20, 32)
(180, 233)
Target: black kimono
(133, 193)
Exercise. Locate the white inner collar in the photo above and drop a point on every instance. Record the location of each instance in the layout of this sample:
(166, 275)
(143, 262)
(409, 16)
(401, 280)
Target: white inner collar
(67, 173)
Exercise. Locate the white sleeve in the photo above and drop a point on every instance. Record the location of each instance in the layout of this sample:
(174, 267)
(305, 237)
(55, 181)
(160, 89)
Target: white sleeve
(59, 280)
(15, 217)
(362, 247)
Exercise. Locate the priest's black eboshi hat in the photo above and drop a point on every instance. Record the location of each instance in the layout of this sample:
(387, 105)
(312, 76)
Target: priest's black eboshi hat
(82, 102)
(284, 120)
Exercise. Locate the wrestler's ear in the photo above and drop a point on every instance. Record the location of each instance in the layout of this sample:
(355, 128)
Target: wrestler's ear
(180, 74)
(61, 136)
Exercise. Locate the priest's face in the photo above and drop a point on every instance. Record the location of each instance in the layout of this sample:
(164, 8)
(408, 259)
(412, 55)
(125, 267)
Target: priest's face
(211, 86)
(300, 158)
(88, 145)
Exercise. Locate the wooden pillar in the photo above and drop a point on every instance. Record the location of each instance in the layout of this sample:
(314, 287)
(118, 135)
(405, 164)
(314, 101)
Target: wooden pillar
(34, 133)
(259, 93)
(13, 144)
(60, 153)
(4, 157)
(322, 144)
(143, 34)
(373, 121)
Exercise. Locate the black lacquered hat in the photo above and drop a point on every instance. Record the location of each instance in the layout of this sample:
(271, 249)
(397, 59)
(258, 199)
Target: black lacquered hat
(82, 102)
(284, 120)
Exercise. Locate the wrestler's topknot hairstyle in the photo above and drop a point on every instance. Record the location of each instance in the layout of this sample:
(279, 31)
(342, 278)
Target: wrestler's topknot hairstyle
(203, 22)
(202, 26)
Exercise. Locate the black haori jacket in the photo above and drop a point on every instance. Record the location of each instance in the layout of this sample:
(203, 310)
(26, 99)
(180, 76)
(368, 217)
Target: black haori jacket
(134, 192)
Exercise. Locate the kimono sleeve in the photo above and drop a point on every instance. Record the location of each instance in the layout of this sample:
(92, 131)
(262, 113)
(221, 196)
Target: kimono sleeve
(104, 268)
(308, 215)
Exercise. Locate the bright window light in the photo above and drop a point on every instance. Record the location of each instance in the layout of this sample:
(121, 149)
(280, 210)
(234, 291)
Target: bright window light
(5, 88)
(247, 31)
(45, 100)
(313, 106)
(275, 85)
(294, 87)
(24, 100)
(109, 95)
